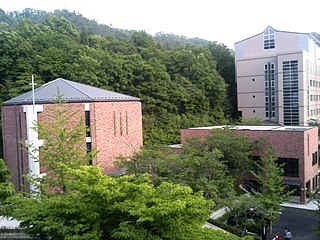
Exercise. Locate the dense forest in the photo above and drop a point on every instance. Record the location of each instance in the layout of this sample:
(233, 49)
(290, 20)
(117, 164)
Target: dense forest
(182, 82)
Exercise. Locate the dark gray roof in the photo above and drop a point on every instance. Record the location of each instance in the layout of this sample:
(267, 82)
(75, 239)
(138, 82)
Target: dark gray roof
(71, 92)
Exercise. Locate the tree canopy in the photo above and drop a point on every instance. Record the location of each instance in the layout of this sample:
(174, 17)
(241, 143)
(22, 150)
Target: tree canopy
(181, 86)
(6, 187)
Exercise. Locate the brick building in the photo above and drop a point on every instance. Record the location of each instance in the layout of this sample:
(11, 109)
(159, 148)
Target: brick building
(115, 120)
(297, 148)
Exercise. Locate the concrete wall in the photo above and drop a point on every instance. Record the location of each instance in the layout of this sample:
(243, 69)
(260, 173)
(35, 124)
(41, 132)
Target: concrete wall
(250, 57)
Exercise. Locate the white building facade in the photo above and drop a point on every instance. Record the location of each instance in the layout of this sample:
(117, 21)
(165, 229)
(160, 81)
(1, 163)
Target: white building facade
(278, 77)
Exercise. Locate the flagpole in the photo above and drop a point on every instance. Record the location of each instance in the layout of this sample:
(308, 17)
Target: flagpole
(33, 98)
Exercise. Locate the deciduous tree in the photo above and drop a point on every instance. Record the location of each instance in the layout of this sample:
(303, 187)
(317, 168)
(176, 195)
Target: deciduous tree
(6, 187)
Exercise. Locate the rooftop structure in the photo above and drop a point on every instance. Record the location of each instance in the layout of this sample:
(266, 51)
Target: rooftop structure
(114, 119)
(297, 148)
(71, 92)
(278, 77)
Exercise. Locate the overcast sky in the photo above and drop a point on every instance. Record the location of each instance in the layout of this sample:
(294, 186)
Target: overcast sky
(224, 21)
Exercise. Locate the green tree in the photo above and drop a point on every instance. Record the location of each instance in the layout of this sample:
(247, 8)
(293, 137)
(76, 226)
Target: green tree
(179, 87)
(224, 58)
(97, 206)
(273, 188)
(197, 168)
(64, 134)
(236, 150)
(6, 186)
(245, 213)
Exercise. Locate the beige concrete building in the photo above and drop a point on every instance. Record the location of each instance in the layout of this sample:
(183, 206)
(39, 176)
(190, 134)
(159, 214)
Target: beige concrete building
(278, 77)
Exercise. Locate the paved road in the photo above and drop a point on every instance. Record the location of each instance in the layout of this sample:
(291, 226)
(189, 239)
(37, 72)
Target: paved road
(301, 222)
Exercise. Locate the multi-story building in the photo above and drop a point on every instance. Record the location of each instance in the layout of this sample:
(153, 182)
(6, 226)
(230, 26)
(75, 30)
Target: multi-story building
(278, 77)
(296, 146)
(115, 122)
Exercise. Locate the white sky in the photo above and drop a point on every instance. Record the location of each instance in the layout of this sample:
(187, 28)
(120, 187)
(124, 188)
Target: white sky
(224, 21)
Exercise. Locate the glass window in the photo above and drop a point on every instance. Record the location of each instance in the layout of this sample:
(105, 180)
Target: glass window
(87, 121)
(314, 158)
(291, 92)
(269, 76)
(290, 166)
(269, 38)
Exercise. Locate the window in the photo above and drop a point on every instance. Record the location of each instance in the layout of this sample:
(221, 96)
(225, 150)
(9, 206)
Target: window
(314, 158)
(290, 92)
(290, 166)
(270, 85)
(269, 38)
(89, 149)
(87, 120)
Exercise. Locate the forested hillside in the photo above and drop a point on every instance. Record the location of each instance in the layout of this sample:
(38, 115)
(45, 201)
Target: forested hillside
(182, 82)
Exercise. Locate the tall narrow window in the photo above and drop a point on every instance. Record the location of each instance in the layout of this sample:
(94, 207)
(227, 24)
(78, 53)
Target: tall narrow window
(127, 123)
(269, 79)
(89, 149)
(290, 93)
(269, 38)
(115, 123)
(87, 120)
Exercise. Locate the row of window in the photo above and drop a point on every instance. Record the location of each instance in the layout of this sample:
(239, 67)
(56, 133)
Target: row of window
(290, 165)
(314, 83)
(313, 98)
(269, 78)
(314, 112)
(290, 92)
(312, 68)
(273, 114)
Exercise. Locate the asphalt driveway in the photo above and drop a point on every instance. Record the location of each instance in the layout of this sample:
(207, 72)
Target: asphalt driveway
(301, 222)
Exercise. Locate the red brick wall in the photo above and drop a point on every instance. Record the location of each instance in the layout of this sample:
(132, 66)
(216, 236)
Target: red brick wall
(14, 153)
(77, 109)
(310, 146)
(200, 134)
(289, 144)
(116, 130)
